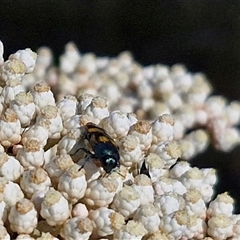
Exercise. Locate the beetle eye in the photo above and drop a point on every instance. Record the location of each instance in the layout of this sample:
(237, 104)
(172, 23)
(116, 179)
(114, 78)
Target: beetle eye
(109, 164)
(110, 160)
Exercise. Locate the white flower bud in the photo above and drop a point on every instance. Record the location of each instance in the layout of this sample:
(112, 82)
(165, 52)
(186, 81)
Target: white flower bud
(11, 70)
(121, 175)
(77, 228)
(194, 203)
(11, 192)
(72, 122)
(76, 121)
(113, 67)
(194, 143)
(199, 229)
(233, 113)
(10, 90)
(200, 139)
(148, 216)
(70, 143)
(186, 115)
(146, 104)
(126, 201)
(72, 183)
(210, 176)
(10, 126)
(111, 92)
(143, 132)
(223, 204)
(24, 107)
(160, 72)
(67, 107)
(182, 80)
(31, 155)
(169, 152)
(100, 192)
(27, 56)
(194, 179)
(148, 72)
(145, 90)
(54, 202)
(201, 117)
(28, 81)
(142, 184)
(132, 230)
(163, 86)
(80, 210)
(194, 228)
(70, 59)
(43, 95)
(107, 221)
(126, 104)
(167, 185)
(227, 139)
(173, 101)
(215, 106)
(179, 169)
(37, 132)
(155, 166)
(85, 100)
(129, 150)
(168, 203)
(125, 59)
(207, 192)
(23, 217)
(50, 114)
(88, 63)
(35, 180)
(158, 235)
(188, 148)
(65, 85)
(44, 57)
(102, 62)
(57, 165)
(199, 90)
(174, 225)
(10, 168)
(117, 124)
(220, 227)
(159, 108)
(97, 108)
(37, 199)
(162, 129)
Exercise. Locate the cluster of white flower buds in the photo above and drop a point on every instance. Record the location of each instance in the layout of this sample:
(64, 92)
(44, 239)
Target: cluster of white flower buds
(160, 118)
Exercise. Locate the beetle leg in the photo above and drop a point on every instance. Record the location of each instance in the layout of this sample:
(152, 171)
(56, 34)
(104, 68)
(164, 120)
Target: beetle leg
(83, 149)
(86, 151)
(85, 162)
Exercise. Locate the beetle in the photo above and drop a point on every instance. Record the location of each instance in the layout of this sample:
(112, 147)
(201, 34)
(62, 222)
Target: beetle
(105, 151)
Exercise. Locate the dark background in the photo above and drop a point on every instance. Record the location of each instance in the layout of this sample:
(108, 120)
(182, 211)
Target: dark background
(203, 35)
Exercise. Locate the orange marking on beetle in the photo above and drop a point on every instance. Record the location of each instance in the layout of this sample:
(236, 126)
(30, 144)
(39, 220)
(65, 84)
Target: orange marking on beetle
(103, 139)
(93, 130)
